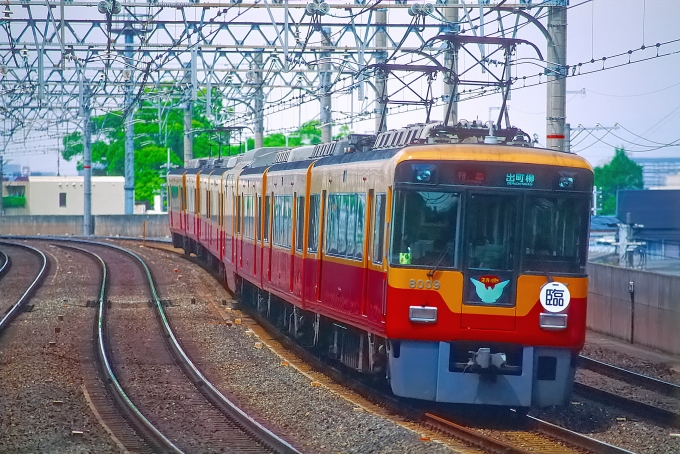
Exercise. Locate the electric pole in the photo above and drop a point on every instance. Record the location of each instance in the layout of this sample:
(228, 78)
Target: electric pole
(451, 60)
(259, 100)
(129, 125)
(380, 78)
(557, 76)
(87, 161)
(325, 82)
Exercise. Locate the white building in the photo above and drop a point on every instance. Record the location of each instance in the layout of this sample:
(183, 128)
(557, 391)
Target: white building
(56, 195)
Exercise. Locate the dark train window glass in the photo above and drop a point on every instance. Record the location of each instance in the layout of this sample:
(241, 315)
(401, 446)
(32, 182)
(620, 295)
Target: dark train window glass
(267, 211)
(62, 199)
(313, 232)
(299, 223)
(555, 234)
(174, 198)
(425, 226)
(378, 228)
(491, 231)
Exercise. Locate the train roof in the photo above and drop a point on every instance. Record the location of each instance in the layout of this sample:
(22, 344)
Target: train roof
(465, 141)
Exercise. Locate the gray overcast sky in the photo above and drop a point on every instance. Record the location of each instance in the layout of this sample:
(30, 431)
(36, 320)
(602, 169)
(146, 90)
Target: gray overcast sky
(642, 97)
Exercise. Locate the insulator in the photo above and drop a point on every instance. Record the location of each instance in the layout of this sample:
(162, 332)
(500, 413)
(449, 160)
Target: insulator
(116, 7)
(103, 6)
(415, 9)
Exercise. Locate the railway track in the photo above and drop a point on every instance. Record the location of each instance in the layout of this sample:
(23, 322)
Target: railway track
(218, 423)
(25, 278)
(658, 406)
(132, 431)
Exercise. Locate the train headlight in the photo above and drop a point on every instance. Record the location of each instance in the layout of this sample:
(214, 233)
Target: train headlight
(422, 314)
(553, 321)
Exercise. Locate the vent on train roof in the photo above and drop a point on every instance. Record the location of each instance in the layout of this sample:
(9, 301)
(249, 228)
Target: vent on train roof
(282, 156)
(324, 149)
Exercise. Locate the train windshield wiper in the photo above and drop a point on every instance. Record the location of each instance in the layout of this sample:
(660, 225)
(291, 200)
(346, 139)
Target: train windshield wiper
(439, 261)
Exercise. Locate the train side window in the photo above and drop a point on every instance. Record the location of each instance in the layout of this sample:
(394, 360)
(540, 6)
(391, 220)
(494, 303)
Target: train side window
(248, 216)
(215, 210)
(361, 227)
(174, 197)
(267, 211)
(332, 210)
(313, 232)
(379, 228)
(259, 219)
(300, 223)
(283, 220)
(345, 225)
(238, 214)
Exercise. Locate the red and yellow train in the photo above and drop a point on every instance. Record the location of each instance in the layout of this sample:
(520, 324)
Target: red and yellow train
(451, 261)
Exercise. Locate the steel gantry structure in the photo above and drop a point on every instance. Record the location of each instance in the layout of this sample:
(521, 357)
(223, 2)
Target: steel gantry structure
(63, 61)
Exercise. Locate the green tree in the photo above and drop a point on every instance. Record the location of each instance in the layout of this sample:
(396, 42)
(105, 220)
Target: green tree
(152, 139)
(620, 173)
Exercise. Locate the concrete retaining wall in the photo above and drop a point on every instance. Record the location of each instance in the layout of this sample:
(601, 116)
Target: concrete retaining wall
(104, 225)
(654, 305)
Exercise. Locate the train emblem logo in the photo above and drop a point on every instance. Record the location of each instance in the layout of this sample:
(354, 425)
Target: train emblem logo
(555, 297)
(489, 288)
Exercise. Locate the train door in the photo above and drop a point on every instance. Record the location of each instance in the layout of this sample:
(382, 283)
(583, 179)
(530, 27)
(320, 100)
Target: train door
(298, 252)
(491, 245)
(312, 255)
(268, 237)
(258, 239)
(366, 246)
(293, 224)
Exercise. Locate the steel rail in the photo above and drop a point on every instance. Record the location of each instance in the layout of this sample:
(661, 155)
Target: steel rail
(6, 263)
(150, 432)
(630, 377)
(14, 310)
(656, 414)
(574, 438)
(248, 424)
(473, 437)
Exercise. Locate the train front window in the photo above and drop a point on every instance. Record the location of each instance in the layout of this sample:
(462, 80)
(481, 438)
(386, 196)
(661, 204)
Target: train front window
(491, 231)
(425, 228)
(555, 234)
